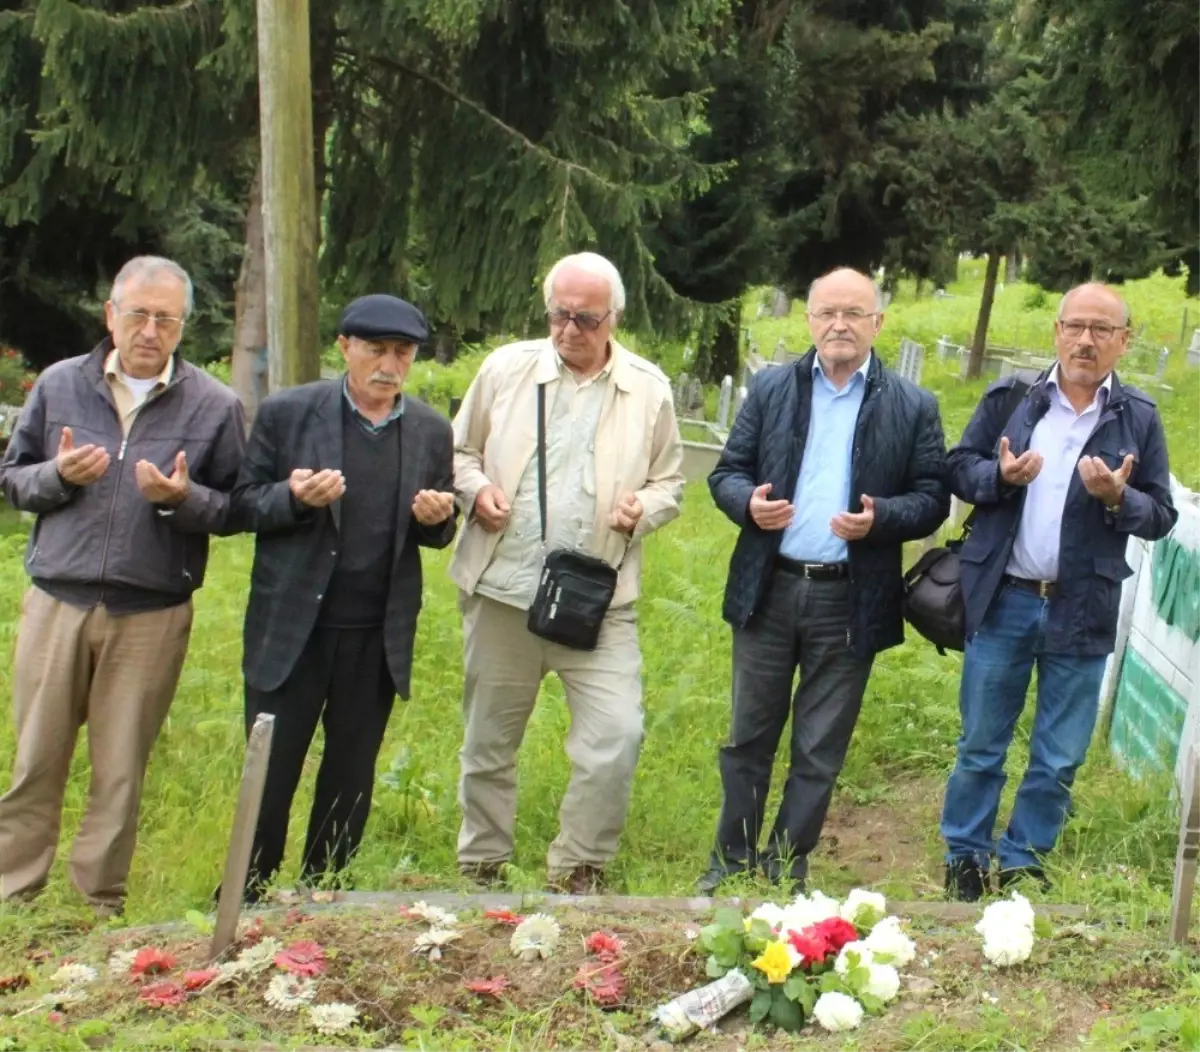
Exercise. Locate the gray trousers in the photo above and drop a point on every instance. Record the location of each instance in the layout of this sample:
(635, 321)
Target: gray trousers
(801, 623)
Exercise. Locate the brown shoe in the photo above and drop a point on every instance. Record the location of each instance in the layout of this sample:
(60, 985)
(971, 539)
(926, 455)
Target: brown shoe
(582, 880)
(485, 874)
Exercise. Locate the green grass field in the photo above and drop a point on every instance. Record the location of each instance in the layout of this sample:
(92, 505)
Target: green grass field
(1116, 856)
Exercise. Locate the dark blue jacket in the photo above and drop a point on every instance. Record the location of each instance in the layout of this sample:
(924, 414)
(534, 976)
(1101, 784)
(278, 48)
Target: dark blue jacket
(898, 458)
(1082, 617)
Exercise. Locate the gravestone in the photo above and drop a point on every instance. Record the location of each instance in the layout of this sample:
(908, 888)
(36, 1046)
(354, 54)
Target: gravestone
(739, 400)
(1193, 351)
(725, 403)
(695, 395)
(781, 352)
(912, 360)
(681, 390)
(781, 305)
(1163, 355)
(946, 348)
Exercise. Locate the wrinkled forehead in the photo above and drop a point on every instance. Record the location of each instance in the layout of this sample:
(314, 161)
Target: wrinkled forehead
(1086, 304)
(387, 346)
(160, 291)
(579, 290)
(843, 290)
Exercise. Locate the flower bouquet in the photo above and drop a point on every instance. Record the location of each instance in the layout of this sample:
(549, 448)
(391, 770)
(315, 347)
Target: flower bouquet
(816, 958)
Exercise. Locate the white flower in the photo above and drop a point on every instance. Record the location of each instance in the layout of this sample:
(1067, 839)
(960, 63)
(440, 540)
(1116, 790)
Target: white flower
(843, 964)
(536, 936)
(836, 1012)
(289, 993)
(432, 915)
(260, 956)
(770, 913)
(74, 974)
(889, 945)
(808, 910)
(431, 942)
(862, 900)
(120, 961)
(334, 1018)
(72, 995)
(1008, 913)
(884, 982)
(1008, 946)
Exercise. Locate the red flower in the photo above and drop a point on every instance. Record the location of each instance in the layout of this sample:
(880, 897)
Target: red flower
(295, 916)
(492, 987)
(604, 985)
(503, 917)
(161, 995)
(13, 983)
(199, 980)
(254, 933)
(811, 944)
(151, 961)
(303, 957)
(57, 1018)
(837, 932)
(606, 947)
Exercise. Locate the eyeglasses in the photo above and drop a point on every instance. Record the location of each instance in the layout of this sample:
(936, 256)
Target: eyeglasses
(584, 321)
(825, 315)
(164, 323)
(1101, 330)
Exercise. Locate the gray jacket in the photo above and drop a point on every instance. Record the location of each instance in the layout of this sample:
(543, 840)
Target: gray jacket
(105, 542)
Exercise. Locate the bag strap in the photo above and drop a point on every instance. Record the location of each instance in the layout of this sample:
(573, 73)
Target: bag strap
(1015, 396)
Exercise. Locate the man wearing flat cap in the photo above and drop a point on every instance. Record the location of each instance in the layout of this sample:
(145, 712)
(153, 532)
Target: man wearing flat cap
(343, 482)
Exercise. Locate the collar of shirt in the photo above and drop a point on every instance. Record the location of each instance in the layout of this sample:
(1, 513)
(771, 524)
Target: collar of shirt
(564, 370)
(1099, 399)
(370, 425)
(861, 371)
(113, 372)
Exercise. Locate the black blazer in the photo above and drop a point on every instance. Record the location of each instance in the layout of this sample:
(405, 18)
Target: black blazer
(294, 552)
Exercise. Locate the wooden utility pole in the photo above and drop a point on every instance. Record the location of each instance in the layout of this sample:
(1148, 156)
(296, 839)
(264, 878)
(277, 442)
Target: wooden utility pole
(288, 192)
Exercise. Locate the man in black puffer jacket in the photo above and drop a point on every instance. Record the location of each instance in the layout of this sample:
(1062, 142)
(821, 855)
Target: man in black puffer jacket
(832, 463)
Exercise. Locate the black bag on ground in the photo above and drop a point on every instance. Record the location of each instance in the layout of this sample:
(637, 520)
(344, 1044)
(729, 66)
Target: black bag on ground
(933, 600)
(575, 588)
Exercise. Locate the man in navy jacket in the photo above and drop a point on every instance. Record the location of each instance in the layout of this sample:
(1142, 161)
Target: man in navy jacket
(1058, 485)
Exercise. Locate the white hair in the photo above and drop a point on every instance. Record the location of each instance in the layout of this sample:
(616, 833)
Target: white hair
(1062, 303)
(879, 304)
(146, 267)
(589, 263)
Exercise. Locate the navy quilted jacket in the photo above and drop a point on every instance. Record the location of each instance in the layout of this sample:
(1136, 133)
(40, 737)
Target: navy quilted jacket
(899, 459)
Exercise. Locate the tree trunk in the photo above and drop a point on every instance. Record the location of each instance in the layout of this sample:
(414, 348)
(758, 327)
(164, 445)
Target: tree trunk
(720, 358)
(975, 364)
(1012, 265)
(249, 359)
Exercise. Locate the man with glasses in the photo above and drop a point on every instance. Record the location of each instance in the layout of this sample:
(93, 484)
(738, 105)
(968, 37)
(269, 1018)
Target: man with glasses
(832, 464)
(1059, 485)
(613, 459)
(127, 455)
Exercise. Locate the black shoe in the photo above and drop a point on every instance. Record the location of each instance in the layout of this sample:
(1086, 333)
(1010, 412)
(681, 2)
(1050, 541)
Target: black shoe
(965, 880)
(1018, 874)
(708, 884)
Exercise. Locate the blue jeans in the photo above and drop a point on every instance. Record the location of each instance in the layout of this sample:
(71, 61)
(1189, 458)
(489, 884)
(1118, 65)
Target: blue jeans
(996, 670)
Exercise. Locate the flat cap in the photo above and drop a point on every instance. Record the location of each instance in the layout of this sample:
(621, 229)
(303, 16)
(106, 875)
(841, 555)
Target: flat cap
(383, 317)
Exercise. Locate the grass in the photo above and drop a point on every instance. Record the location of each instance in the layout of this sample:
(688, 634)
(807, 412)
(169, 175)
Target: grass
(1116, 855)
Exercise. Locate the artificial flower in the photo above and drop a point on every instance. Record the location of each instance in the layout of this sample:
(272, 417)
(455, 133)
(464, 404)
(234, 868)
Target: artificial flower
(163, 994)
(303, 957)
(289, 993)
(883, 982)
(252, 932)
(330, 1019)
(861, 954)
(1007, 913)
(862, 901)
(770, 913)
(837, 932)
(836, 1012)
(812, 946)
(198, 980)
(151, 961)
(807, 910)
(604, 985)
(775, 962)
(295, 916)
(74, 974)
(120, 961)
(492, 987)
(432, 915)
(536, 936)
(12, 983)
(889, 945)
(604, 947)
(256, 958)
(503, 917)
(61, 998)
(432, 942)
(1005, 947)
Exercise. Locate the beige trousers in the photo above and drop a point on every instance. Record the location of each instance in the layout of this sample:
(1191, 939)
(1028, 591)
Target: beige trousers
(117, 674)
(505, 665)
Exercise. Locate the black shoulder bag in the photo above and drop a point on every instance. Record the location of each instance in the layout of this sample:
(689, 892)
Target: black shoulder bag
(575, 589)
(933, 600)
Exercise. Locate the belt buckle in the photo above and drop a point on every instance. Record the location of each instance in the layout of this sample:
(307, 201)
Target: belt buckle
(1044, 589)
(809, 569)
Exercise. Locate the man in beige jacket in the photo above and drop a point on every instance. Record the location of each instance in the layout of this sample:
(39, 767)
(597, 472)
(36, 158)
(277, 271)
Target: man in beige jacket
(613, 459)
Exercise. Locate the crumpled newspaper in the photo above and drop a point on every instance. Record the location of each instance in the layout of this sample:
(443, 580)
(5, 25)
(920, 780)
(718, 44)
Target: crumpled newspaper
(700, 1008)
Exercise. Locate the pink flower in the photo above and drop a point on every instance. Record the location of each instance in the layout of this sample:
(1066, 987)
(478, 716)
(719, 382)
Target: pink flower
(295, 916)
(151, 961)
(199, 980)
(605, 947)
(503, 917)
(492, 987)
(164, 994)
(604, 985)
(303, 957)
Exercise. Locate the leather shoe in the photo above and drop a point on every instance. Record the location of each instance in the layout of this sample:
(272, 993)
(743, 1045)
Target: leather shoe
(708, 884)
(582, 880)
(1034, 874)
(485, 874)
(965, 880)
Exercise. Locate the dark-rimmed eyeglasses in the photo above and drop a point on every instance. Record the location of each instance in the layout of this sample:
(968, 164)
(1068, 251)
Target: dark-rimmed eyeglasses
(1103, 331)
(584, 321)
(826, 315)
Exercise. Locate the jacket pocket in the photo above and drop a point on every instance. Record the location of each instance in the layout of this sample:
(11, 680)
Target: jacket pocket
(1104, 596)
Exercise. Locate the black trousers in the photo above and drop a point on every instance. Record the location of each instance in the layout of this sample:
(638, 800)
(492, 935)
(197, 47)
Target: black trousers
(801, 623)
(341, 680)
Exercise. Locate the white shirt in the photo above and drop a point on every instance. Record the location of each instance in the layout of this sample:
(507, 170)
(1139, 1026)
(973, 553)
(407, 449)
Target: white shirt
(1059, 436)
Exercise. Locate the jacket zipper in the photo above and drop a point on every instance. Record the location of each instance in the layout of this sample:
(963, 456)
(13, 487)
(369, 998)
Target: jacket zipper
(855, 449)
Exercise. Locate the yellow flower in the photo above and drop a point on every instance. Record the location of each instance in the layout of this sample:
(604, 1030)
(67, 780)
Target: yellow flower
(775, 962)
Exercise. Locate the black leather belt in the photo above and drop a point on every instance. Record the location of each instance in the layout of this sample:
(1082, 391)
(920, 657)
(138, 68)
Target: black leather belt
(1042, 589)
(813, 571)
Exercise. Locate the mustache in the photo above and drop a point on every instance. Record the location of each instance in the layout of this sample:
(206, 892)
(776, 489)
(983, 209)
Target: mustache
(383, 378)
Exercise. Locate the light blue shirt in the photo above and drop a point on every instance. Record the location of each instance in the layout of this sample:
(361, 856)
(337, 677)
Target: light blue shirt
(1059, 436)
(368, 425)
(823, 487)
